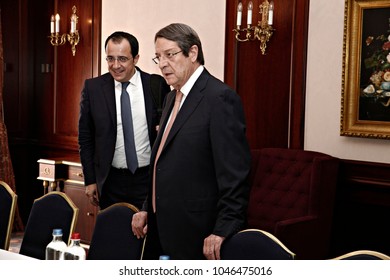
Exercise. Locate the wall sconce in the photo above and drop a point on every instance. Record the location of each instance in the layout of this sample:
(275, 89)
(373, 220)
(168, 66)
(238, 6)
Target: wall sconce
(73, 37)
(263, 31)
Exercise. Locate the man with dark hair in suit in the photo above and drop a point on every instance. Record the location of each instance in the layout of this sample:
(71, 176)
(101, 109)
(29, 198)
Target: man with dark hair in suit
(200, 161)
(117, 125)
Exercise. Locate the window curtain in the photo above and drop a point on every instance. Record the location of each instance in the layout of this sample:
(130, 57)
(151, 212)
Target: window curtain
(6, 170)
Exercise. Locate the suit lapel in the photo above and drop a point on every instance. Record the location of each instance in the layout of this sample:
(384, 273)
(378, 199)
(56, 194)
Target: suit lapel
(164, 119)
(190, 104)
(148, 100)
(109, 95)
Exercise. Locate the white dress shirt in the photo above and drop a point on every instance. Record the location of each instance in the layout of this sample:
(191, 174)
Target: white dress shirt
(140, 126)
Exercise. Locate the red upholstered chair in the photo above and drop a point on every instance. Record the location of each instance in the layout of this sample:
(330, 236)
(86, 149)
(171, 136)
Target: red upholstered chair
(292, 196)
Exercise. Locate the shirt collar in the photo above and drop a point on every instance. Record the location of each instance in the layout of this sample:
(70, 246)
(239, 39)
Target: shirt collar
(133, 81)
(191, 81)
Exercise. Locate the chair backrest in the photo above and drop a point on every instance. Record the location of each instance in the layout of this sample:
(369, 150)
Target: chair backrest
(255, 244)
(52, 210)
(8, 201)
(292, 196)
(112, 237)
(363, 255)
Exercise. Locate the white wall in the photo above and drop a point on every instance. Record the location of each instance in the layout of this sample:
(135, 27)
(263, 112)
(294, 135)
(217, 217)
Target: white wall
(144, 18)
(325, 45)
(324, 76)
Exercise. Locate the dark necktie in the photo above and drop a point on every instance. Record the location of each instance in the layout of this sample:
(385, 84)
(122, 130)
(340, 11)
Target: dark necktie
(175, 110)
(128, 132)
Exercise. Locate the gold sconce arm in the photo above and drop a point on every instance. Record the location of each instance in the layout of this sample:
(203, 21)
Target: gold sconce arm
(238, 30)
(56, 39)
(74, 39)
(263, 35)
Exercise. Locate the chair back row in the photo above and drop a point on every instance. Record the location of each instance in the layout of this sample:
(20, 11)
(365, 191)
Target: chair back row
(255, 244)
(112, 238)
(8, 200)
(52, 210)
(363, 255)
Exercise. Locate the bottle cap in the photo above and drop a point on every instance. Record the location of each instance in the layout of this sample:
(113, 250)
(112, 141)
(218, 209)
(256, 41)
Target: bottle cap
(57, 231)
(75, 235)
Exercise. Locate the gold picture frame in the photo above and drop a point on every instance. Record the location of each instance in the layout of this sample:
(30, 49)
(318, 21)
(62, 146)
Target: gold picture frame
(365, 102)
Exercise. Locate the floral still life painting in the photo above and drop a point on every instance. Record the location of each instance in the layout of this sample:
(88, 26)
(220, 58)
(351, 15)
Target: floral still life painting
(376, 87)
(365, 104)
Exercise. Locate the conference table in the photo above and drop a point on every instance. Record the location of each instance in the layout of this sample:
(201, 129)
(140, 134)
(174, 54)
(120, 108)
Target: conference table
(8, 255)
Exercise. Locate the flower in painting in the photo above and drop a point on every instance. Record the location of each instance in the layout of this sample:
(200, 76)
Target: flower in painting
(376, 78)
(386, 76)
(378, 61)
(386, 46)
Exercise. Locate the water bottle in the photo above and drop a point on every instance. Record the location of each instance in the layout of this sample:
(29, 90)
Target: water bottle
(164, 257)
(55, 249)
(74, 251)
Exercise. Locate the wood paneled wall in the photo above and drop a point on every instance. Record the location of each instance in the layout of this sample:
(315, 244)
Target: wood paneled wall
(362, 208)
(61, 88)
(272, 86)
(43, 84)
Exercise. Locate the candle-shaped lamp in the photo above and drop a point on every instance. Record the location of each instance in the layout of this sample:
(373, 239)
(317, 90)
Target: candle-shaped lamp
(57, 23)
(239, 14)
(52, 19)
(271, 13)
(72, 24)
(73, 21)
(249, 18)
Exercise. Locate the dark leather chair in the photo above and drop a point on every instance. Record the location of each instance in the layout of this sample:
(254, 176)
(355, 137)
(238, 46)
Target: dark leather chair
(112, 237)
(255, 244)
(363, 255)
(8, 200)
(53, 210)
(292, 196)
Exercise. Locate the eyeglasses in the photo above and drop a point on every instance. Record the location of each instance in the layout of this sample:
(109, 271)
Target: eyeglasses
(120, 59)
(168, 56)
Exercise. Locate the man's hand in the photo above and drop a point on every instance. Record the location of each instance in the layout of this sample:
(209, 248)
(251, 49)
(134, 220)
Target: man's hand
(212, 247)
(91, 193)
(139, 224)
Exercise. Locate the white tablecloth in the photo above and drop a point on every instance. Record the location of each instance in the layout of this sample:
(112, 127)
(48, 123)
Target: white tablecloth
(8, 255)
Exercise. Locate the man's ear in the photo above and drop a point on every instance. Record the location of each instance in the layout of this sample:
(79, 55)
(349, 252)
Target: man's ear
(136, 59)
(193, 53)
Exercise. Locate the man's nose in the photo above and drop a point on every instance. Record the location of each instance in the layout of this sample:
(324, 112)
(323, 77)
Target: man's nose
(116, 64)
(162, 63)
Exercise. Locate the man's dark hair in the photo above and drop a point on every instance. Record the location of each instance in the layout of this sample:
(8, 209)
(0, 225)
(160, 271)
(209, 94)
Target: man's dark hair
(184, 36)
(118, 36)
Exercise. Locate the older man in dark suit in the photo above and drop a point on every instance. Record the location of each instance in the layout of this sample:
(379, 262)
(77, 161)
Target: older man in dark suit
(201, 158)
(117, 125)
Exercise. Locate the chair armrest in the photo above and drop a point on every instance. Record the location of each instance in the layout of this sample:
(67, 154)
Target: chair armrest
(301, 223)
(303, 234)
(296, 229)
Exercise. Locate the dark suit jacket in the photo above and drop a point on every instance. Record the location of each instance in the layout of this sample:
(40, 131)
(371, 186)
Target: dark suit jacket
(97, 124)
(201, 174)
